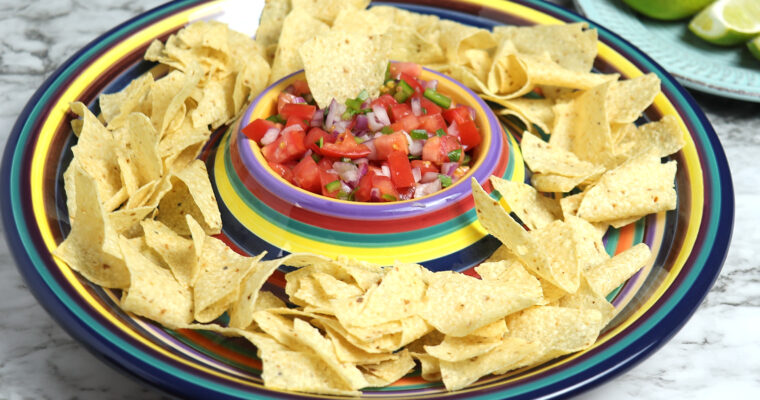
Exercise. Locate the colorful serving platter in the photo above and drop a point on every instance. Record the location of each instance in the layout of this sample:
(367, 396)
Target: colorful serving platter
(690, 242)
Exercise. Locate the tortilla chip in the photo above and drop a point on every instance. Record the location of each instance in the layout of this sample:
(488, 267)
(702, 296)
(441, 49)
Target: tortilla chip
(95, 153)
(457, 304)
(137, 152)
(639, 187)
(270, 25)
(550, 252)
(572, 46)
(612, 273)
(587, 299)
(153, 292)
(92, 247)
(241, 311)
(360, 21)
(459, 374)
(665, 136)
(218, 283)
(386, 372)
(285, 369)
(590, 248)
(627, 99)
(127, 221)
(545, 158)
(299, 26)
(192, 194)
(533, 209)
(530, 111)
(115, 107)
(310, 336)
(327, 10)
(430, 366)
(348, 353)
(356, 63)
(178, 252)
(556, 330)
(397, 296)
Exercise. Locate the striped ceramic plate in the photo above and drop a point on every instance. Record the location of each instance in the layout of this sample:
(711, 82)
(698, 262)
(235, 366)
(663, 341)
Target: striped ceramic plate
(690, 242)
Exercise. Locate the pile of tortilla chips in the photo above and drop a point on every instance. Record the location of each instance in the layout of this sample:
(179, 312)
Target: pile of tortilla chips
(142, 208)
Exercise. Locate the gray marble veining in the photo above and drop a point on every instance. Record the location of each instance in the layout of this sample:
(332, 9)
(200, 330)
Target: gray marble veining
(716, 355)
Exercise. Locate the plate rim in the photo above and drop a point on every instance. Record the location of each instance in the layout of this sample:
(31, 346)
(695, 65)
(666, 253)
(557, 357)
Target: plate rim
(162, 380)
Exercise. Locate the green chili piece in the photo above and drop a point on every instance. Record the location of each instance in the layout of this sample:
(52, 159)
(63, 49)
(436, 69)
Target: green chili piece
(437, 98)
(277, 119)
(403, 91)
(455, 155)
(389, 197)
(333, 186)
(445, 180)
(418, 134)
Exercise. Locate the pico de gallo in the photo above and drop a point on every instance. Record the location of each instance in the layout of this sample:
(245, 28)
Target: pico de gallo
(409, 142)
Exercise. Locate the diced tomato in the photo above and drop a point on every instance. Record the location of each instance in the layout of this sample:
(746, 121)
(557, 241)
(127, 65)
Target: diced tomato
(400, 111)
(283, 99)
(407, 123)
(468, 134)
(284, 170)
(326, 163)
(431, 151)
(364, 188)
(345, 146)
(412, 82)
(437, 149)
(300, 87)
(289, 146)
(424, 166)
(401, 170)
(448, 144)
(408, 68)
(459, 114)
(386, 101)
(301, 111)
(326, 179)
(293, 120)
(306, 175)
(386, 144)
(385, 185)
(432, 123)
(429, 107)
(257, 129)
(311, 140)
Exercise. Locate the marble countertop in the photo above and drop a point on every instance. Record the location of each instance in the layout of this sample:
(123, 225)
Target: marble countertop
(716, 355)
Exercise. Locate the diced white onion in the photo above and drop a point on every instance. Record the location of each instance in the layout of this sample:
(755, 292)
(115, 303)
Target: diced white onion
(270, 136)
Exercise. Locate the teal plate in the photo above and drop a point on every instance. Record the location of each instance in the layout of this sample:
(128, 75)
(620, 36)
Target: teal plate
(727, 72)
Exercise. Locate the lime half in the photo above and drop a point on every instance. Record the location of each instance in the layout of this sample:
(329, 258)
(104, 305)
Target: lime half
(754, 47)
(728, 22)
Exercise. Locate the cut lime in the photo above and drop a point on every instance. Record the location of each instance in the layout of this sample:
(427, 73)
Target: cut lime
(728, 22)
(669, 9)
(754, 47)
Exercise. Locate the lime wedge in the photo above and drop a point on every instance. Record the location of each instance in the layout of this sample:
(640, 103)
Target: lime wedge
(668, 9)
(754, 47)
(728, 22)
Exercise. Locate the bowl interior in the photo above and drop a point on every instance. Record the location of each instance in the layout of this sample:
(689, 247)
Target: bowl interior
(265, 105)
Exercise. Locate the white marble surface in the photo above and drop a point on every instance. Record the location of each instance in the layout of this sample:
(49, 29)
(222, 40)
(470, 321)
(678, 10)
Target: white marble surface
(716, 355)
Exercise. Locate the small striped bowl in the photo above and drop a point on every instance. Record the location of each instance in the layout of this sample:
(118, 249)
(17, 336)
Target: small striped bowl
(440, 230)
